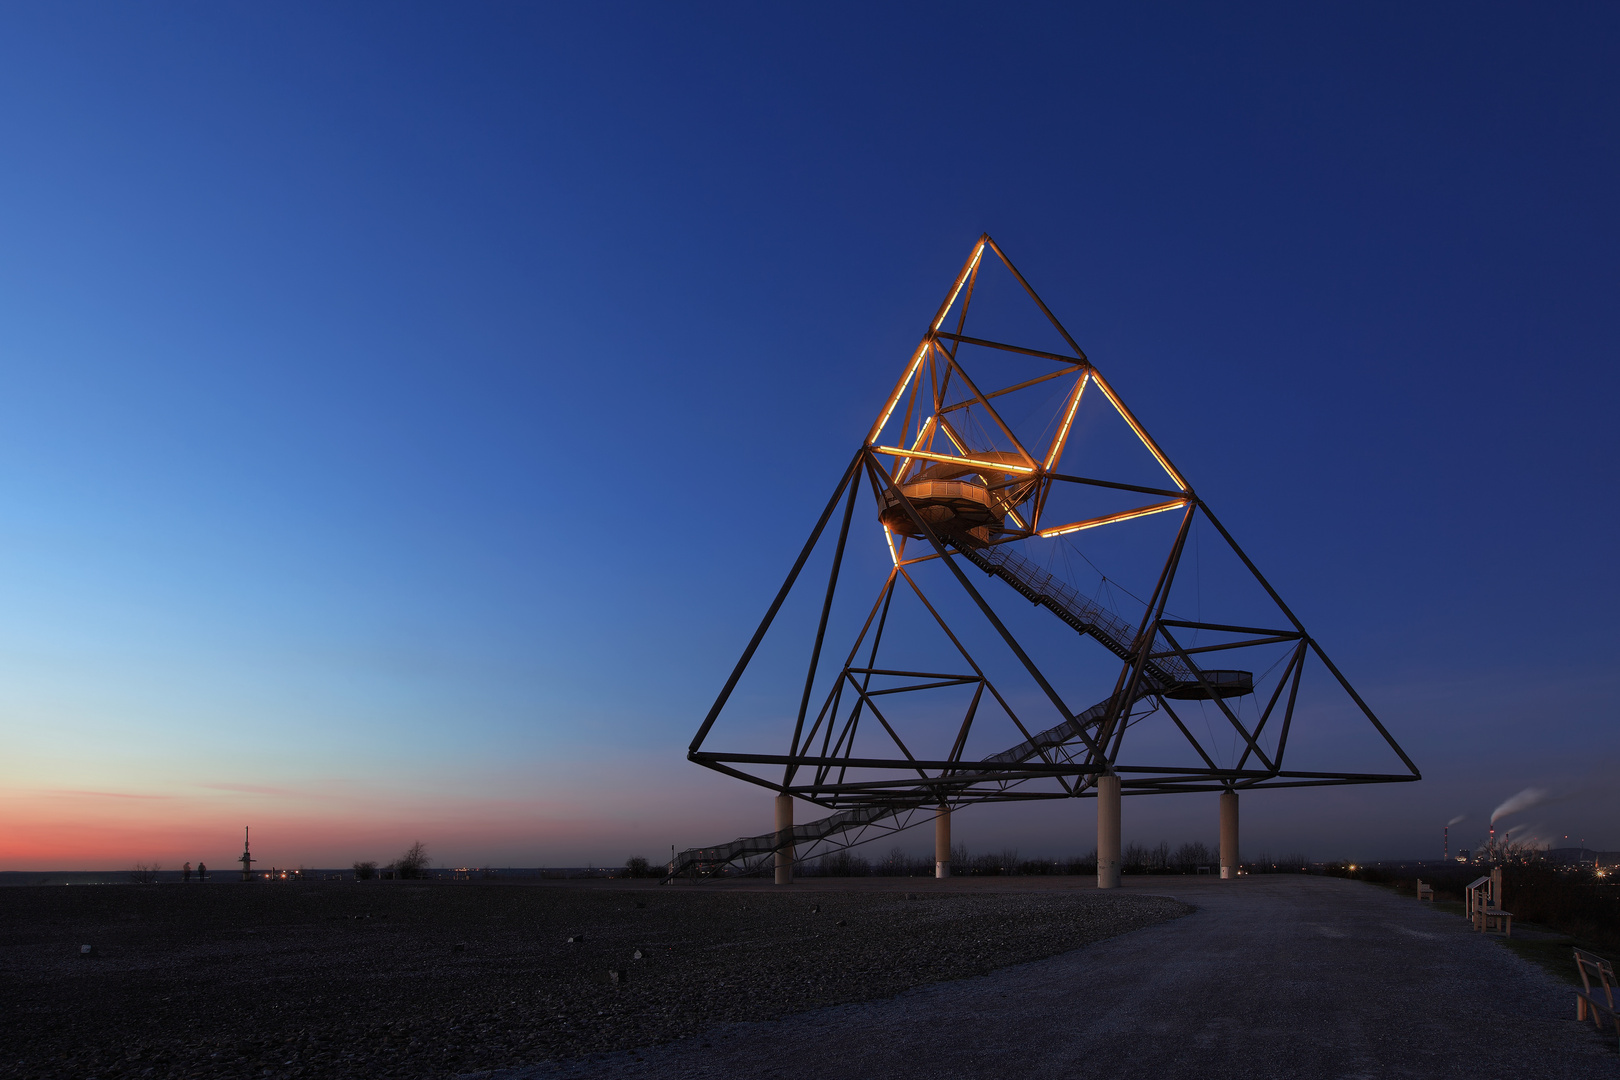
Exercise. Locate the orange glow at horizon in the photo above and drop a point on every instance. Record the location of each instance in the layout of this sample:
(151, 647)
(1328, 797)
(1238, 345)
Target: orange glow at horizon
(321, 825)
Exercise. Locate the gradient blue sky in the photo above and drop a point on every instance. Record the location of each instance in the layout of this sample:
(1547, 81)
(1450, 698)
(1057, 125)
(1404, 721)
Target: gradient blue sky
(409, 410)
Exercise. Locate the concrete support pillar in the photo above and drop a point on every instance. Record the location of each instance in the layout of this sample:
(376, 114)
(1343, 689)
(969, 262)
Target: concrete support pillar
(784, 855)
(1108, 832)
(1229, 835)
(942, 842)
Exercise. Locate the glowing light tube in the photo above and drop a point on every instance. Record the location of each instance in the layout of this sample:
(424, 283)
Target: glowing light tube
(1068, 419)
(1125, 414)
(990, 466)
(894, 398)
(967, 271)
(1124, 515)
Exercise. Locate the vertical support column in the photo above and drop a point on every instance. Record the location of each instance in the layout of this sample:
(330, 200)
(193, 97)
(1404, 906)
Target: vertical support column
(784, 855)
(1108, 831)
(1229, 835)
(942, 842)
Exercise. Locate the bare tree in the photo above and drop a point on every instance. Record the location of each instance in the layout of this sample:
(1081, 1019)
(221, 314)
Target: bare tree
(143, 874)
(414, 862)
(899, 864)
(365, 871)
(638, 866)
(1189, 857)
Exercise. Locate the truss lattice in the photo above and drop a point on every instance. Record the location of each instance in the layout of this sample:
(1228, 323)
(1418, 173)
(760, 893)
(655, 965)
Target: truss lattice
(968, 485)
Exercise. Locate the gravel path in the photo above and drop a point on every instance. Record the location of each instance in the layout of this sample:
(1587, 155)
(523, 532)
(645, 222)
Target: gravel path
(400, 979)
(1284, 977)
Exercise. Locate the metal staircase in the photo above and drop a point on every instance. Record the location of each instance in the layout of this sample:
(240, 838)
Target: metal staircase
(1084, 615)
(1038, 587)
(803, 835)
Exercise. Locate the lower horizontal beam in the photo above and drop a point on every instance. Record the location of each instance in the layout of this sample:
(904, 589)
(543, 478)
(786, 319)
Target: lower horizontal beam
(897, 764)
(977, 781)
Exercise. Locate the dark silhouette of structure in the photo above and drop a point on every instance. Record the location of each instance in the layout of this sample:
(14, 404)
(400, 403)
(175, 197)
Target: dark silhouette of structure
(994, 456)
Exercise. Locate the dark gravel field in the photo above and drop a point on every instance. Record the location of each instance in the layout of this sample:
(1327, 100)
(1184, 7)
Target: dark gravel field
(397, 979)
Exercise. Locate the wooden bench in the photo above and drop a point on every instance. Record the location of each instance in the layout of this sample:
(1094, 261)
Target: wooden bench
(1476, 895)
(1482, 903)
(1425, 892)
(1598, 1002)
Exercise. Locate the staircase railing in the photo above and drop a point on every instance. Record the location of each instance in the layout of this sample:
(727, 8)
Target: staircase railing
(1037, 586)
(1080, 612)
(808, 833)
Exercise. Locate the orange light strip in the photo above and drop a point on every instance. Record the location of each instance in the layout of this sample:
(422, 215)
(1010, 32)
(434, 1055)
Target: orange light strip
(967, 271)
(1053, 454)
(1125, 414)
(889, 536)
(924, 436)
(950, 433)
(990, 466)
(900, 388)
(1125, 515)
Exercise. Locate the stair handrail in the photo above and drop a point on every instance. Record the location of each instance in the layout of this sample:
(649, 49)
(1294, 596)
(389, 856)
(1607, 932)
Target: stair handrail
(1107, 626)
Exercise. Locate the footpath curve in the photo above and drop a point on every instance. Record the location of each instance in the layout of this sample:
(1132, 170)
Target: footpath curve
(1276, 976)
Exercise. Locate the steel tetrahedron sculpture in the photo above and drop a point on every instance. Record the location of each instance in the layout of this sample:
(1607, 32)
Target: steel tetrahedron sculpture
(1011, 593)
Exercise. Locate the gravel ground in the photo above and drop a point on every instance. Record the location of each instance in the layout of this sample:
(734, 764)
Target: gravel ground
(1280, 977)
(400, 979)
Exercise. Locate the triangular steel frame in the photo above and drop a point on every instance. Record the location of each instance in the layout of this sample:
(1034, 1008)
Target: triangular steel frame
(1157, 668)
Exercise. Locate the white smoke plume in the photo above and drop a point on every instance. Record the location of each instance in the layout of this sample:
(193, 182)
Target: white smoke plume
(1524, 800)
(1454, 820)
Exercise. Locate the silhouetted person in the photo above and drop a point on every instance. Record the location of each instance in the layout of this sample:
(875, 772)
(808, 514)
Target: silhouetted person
(202, 871)
(186, 873)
